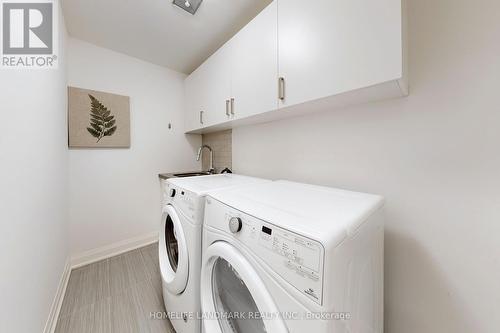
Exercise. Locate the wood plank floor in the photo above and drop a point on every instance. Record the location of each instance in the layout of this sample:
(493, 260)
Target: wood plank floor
(116, 295)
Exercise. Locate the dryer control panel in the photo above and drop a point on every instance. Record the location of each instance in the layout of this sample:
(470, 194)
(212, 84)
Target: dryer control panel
(297, 259)
(301, 255)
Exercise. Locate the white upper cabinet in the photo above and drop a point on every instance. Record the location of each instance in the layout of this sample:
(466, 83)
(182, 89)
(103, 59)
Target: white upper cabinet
(301, 56)
(329, 47)
(254, 66)
(207, 89)
(194, 95)
(218, 73)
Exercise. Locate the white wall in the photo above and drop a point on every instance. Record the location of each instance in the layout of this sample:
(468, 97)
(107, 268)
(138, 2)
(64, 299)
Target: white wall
(33, 192)
(115, 193)
(435, 156)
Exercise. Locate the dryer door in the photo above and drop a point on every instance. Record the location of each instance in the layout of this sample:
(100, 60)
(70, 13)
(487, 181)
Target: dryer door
(234, 299)
(173, 253)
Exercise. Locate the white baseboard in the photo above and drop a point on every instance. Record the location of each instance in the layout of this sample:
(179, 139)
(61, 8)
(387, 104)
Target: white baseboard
(50, 325)
(112, 250)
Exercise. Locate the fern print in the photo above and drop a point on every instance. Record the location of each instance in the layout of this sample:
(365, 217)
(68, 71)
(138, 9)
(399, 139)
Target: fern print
(102, 122)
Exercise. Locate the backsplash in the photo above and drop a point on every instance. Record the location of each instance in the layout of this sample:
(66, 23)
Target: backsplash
(222, 144)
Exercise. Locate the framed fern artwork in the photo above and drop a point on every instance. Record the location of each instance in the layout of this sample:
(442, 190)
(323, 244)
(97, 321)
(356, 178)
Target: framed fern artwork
(98, 119)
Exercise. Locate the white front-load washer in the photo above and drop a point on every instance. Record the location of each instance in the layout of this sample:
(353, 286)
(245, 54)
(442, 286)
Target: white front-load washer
(288, 257)
(180, 244)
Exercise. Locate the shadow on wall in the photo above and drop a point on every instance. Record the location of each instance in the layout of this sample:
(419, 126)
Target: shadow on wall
(412, 273)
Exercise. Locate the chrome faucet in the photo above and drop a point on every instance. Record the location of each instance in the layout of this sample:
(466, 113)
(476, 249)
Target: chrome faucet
(200, 150)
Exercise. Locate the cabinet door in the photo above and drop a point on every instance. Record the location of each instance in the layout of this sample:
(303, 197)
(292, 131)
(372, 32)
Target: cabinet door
(218, 85)
(254, 65)
(327, 47)
(206, 91)
(194, 96)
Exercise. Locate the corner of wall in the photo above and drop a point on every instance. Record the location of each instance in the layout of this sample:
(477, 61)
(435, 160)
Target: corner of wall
(50, 325)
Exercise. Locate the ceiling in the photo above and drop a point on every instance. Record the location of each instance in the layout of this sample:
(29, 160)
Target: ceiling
(157, 31)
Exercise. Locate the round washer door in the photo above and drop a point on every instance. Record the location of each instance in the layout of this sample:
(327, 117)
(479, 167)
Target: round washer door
(230, 286)
(173, 253)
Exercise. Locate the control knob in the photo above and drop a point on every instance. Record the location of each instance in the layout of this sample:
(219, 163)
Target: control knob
(171, 193)
(235, 224)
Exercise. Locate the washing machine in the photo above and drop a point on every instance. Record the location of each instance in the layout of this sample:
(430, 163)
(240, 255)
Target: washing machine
(180, 244)
(289, 257)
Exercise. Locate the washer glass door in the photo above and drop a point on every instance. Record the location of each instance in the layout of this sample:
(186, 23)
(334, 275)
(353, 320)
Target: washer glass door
(233, 295)
(173, 252)
(171, 243)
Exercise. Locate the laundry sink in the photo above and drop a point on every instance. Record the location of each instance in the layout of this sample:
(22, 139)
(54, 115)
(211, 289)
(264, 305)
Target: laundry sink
(192, 174)
(166, 176)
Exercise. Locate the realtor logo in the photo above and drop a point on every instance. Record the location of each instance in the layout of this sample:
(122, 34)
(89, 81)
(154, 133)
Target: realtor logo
(28, 34)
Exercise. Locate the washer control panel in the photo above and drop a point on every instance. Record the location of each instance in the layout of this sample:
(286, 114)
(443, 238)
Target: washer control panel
(297, 259)
(183, 200)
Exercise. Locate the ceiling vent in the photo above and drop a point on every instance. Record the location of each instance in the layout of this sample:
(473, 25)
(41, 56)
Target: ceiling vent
(190, 6)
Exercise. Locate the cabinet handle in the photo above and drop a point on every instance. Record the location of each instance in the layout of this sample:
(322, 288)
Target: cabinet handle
(201, 117)
(281, 88)
(227, 107)
(232, 106)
